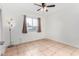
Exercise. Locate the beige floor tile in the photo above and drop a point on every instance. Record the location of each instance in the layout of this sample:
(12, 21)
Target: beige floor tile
(44, 47)
(75, 52)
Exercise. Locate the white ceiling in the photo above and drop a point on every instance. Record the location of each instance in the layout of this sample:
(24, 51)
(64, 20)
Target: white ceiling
(31, 8)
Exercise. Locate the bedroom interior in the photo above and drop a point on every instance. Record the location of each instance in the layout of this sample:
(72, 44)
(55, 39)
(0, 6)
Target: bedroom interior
(39, 29)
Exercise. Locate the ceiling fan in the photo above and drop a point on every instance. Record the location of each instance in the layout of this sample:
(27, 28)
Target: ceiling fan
(44, 7)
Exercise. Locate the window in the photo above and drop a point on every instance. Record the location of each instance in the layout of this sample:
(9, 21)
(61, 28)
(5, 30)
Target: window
(32, 24)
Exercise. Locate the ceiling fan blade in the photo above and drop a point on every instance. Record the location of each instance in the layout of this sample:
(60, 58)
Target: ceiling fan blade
(51, 6)
(39, 9)
(37, 5)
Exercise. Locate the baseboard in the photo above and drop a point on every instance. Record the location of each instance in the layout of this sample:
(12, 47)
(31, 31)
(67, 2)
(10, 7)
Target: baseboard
(50, 38)
(55, 39)
(28, 41)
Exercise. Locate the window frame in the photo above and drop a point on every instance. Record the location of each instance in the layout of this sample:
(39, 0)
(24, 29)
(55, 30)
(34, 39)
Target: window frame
(31, 30)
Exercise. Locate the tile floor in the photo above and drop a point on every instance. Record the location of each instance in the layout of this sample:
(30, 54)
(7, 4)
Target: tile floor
(44, 47)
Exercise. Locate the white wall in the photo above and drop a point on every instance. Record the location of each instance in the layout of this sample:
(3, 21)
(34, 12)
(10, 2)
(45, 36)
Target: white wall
(16, 12)
(19, 37)
(61, 24)
(64, 25)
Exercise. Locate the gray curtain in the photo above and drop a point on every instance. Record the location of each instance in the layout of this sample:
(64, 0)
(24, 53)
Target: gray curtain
(39, 25)
(24, 29)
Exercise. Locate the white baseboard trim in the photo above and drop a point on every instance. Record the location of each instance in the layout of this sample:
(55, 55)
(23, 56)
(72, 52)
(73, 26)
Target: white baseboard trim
(55, 39)
(27, 41)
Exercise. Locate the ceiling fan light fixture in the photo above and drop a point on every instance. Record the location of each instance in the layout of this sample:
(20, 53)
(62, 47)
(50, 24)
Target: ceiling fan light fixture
(44, 9)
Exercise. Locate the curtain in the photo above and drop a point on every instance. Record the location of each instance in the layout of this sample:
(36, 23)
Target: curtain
(39, 25)
(24, 29)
